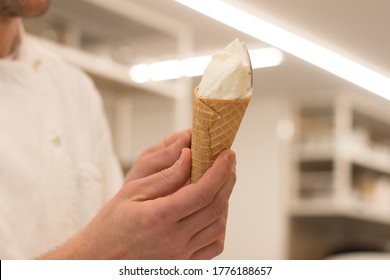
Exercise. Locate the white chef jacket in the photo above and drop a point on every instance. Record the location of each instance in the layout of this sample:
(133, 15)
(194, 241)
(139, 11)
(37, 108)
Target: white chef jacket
(57, 166)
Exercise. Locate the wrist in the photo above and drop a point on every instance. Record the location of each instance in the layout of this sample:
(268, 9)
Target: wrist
(75, 248)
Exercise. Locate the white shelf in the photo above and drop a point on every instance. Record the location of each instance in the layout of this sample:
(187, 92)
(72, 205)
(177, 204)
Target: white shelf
(362, 158)
(370, 163)
(318, 155)
(354, 209)
(354, 148)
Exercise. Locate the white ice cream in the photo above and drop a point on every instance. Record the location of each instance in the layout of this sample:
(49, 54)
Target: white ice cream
(228, 76)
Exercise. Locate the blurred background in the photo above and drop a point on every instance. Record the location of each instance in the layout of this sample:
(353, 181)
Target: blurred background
(313, 149)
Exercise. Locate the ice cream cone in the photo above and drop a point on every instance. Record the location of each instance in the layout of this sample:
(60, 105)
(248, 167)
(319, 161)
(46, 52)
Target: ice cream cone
(215, 123)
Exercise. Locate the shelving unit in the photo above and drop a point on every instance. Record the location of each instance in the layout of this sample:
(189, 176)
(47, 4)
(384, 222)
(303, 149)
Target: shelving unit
(105, 39)
(342, 164)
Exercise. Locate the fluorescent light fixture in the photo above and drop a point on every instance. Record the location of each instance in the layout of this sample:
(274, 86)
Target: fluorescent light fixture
(166, 70)
(140, 73)
(265, 57)
(195, 66)
(300, 47)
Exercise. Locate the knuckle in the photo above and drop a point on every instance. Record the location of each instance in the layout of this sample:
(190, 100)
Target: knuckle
(167, 174)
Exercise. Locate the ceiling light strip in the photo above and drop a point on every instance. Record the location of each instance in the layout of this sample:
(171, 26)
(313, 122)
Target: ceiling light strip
(195, 66)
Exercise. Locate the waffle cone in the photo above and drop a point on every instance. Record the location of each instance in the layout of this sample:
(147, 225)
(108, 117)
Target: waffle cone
(215, 123)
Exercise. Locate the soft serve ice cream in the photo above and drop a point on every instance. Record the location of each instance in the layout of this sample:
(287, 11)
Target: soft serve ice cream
(220, 102)
(229, 75)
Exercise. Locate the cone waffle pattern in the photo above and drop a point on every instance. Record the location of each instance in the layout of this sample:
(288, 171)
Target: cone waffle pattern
(215, 123)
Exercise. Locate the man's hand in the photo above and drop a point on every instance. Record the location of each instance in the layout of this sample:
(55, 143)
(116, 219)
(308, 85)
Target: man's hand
(159, 216)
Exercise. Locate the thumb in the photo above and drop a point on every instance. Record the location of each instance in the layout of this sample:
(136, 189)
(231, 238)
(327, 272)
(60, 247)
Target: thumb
(164, 182)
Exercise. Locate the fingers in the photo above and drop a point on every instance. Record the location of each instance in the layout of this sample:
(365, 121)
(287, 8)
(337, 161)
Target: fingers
(209, 214)
(194, 217)
(162, 183)
(208, 225)
(209, 242)
(214, 210)
(197, 196)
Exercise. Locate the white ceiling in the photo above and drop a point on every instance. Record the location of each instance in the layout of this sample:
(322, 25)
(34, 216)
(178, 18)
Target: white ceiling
(356, 28)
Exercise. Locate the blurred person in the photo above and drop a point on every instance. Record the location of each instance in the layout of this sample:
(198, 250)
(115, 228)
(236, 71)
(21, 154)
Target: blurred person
(60, 182)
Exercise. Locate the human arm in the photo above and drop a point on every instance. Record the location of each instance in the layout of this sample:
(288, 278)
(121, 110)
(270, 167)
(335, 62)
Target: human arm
(155, 217)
